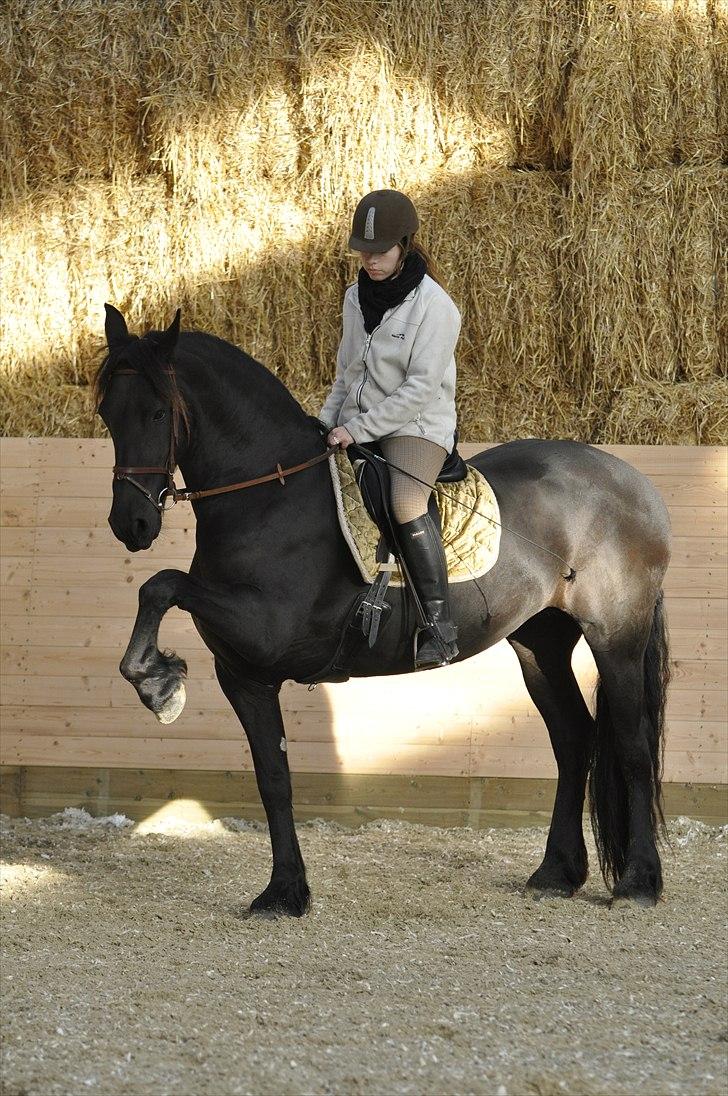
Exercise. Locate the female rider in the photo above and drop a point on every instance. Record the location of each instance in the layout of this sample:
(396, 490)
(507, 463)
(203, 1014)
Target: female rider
(395, 384)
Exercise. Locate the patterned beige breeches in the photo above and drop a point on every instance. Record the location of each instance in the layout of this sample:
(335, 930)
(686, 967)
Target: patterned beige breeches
(420, 457)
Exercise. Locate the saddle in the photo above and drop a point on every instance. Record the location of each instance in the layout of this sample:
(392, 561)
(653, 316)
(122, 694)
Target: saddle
(466, 511)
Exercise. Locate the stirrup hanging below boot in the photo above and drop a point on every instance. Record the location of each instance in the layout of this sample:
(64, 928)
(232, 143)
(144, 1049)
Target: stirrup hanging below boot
(424, 557)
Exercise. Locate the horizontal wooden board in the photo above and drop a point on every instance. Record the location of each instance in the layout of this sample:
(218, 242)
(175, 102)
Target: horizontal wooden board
(349, 798)
(80, 512)
(699, 582)
(677, 488)
(177, 543)
(700, 765)
(702, 576)
(92, 514)
(17, 541)
(217, 754)
(497, 686)
(15, 571)
(704, 521)
(17, 512)
(98, 452)
(53, 608)
(14, 600)
(331, 703)
(694, 623)
(305, 726)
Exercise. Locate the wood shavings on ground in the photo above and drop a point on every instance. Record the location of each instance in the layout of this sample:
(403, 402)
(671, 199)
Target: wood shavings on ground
(130, 967)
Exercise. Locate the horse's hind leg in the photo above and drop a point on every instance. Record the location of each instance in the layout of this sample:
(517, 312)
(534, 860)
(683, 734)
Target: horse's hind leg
(625, 778)
(544, 645)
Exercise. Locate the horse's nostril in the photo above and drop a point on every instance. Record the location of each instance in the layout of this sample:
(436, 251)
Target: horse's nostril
(140, 527)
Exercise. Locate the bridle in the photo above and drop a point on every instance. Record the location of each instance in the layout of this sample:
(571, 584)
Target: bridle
(170, 495)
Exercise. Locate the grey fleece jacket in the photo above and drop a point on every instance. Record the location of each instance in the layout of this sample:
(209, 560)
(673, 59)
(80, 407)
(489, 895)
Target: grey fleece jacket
(400, 380)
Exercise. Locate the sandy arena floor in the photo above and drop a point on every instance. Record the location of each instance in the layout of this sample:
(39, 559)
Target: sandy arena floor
(422, 967)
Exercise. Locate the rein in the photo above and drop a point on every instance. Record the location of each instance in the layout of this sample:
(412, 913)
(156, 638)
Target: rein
(177, 494)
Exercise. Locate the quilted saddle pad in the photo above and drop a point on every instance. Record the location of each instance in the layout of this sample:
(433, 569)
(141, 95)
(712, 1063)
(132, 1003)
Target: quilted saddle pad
(468, 514)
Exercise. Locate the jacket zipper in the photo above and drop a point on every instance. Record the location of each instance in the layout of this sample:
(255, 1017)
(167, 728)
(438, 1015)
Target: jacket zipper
(364, 363)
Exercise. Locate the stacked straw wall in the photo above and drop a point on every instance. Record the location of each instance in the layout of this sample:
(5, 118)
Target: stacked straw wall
(568, 159)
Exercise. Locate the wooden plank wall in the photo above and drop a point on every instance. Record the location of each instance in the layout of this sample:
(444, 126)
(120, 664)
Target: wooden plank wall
(69, 593)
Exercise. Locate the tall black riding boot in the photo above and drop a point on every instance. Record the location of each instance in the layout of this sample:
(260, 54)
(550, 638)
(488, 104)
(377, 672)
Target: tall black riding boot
(424, 557)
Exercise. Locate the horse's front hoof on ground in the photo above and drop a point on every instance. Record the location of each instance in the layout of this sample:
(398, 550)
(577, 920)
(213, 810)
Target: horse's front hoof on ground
(621, 901)
(173, 706)
(553, 881)
(539, 893)
(287, 899)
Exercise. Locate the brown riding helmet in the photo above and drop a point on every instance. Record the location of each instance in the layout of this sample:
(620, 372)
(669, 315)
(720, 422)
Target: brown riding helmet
(381, 220)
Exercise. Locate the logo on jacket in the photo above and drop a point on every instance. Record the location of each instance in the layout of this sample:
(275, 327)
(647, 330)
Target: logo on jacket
(398, 335)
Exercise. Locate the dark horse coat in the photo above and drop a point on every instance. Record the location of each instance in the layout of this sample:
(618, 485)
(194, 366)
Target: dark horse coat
(272, 581)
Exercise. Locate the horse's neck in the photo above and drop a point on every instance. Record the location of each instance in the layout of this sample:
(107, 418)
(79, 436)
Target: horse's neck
(240, 430)
(239, 434)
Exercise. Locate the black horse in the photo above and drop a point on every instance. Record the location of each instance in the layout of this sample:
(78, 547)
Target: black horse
(272, 583)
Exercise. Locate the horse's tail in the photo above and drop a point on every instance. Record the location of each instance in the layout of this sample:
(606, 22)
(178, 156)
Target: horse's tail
(608, 803)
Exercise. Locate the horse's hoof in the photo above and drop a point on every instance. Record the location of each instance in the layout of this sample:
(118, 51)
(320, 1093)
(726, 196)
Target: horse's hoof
(539, 893)
(552, 881)
(291, 899)
(646, 899)
(640, 885)
(173, 706)
(259, 915)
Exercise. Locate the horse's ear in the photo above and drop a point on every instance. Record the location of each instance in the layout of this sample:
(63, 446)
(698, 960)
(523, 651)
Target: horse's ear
(168, 341)
(117, 333)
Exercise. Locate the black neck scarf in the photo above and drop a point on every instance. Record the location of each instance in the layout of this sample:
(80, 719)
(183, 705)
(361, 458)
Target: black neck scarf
(376, 297)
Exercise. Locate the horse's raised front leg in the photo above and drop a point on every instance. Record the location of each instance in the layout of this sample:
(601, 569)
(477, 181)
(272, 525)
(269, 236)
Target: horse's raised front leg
(157, 677)
(544, 645)
(228, 611)
(258, 709)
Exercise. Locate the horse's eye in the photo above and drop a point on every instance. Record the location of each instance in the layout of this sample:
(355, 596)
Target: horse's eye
(159, 415)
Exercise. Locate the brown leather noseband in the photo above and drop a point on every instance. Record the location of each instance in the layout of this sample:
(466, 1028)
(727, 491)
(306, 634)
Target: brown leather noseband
(177, 494)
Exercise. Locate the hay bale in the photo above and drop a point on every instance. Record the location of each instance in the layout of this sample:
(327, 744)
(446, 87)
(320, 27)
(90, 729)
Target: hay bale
(719, 51)
(600, 116)
(700, 253)
(643, 253)
(72, 102)
(690, 413)
(645, 88)
(512, 381)
(695, 85)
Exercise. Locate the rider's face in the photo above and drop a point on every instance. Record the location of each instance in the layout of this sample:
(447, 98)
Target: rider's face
(380, 266)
